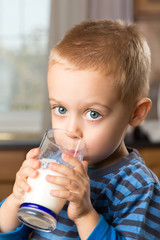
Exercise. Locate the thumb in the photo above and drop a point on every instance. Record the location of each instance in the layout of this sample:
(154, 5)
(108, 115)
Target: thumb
(85, 164)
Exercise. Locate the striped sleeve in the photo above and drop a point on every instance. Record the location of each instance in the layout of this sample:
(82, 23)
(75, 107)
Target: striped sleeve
(138, 215)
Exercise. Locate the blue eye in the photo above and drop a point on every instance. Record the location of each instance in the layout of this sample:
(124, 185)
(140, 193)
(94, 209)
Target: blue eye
(60, 110)
(92, 115)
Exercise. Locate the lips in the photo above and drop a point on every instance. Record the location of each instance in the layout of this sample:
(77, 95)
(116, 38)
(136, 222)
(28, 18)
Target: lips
(72, 153)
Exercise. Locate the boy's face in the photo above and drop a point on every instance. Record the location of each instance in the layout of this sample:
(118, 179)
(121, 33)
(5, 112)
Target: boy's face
(85, 102)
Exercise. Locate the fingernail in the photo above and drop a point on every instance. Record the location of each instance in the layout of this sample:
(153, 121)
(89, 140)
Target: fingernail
(52, 192)
(27, 188)
(48, 177)
(36, 151)
(36, 163)
(51, 165)
(34, 174)
(65, 156)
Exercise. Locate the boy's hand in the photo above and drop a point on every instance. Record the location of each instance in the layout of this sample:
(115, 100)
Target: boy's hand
(77, 186)
(28, 169)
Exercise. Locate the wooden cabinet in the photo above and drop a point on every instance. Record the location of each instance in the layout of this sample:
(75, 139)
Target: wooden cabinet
(11, 160)
(151, 156)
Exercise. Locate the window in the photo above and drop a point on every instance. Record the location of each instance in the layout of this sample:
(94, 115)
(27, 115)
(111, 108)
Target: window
(24, 35)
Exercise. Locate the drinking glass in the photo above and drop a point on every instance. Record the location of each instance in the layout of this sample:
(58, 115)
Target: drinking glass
(40, 209)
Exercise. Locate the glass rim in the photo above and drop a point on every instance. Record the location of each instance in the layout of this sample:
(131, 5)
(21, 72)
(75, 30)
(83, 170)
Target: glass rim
(62, 130)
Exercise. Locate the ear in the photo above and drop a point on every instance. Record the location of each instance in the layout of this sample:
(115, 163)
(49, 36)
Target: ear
(141, 110)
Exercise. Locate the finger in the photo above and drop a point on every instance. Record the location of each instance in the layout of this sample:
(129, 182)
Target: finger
(66, 183)
(66, 171)
(26, 172)
(70, 160)
(65, 194)
(73, 182)
(33, 163)
(77, 165)
(33, 153)
(22, 186)
(19, 191)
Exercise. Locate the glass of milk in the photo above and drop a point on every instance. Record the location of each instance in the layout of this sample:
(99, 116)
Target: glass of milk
(40, 209)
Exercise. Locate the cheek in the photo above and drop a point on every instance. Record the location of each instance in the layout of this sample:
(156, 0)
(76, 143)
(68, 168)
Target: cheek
(98, 147)
(56, 123)
(101, 145)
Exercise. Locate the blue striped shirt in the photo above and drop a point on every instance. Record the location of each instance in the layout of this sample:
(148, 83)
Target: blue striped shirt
(127, 197)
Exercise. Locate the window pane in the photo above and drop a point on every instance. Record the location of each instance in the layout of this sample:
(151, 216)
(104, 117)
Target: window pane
(24, 30)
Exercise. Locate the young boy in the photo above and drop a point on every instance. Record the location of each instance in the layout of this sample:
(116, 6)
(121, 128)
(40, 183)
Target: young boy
(98, 81)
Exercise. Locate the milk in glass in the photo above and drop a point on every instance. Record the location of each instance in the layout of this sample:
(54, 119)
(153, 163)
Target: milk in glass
(40, 190)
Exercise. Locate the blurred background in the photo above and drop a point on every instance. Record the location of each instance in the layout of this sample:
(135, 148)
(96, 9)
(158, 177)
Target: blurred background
(28, 31)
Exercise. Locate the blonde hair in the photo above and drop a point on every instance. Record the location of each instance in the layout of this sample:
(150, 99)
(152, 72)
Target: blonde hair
(111, 47)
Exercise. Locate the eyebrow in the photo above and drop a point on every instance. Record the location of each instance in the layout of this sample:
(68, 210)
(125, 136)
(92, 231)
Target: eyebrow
(54, 100)
(99, 104)
(87, 104)
(50, 99)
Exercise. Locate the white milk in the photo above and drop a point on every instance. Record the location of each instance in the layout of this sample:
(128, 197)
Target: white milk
(40, 191)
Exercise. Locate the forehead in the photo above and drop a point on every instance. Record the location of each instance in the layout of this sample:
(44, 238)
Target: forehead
(82, 84)
(62, 74)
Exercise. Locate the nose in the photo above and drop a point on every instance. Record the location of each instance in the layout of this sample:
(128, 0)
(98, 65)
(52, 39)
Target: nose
(74, 125)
